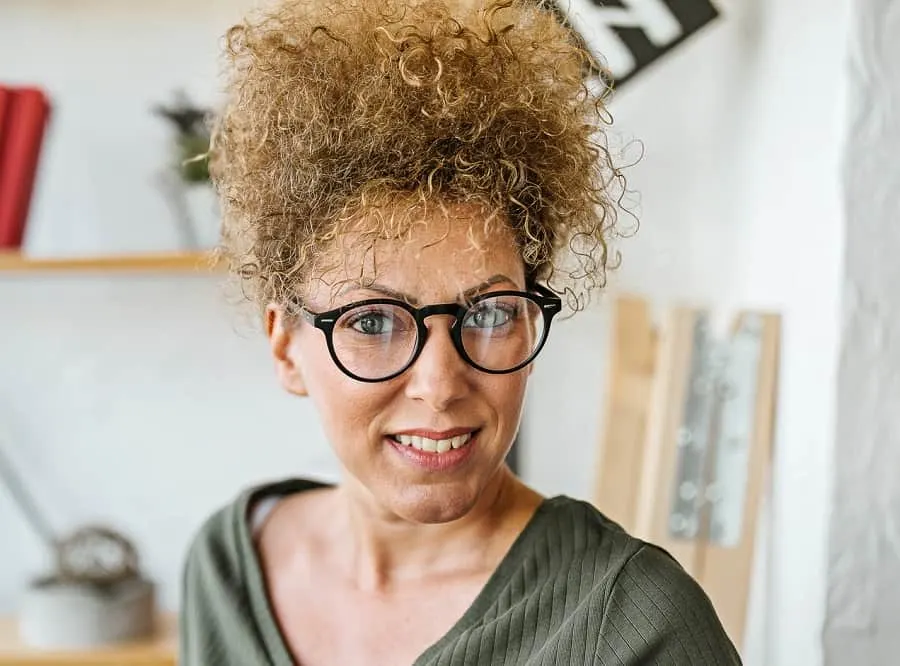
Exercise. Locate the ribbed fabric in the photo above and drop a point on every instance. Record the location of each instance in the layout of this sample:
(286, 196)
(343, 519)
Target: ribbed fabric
(574, 590)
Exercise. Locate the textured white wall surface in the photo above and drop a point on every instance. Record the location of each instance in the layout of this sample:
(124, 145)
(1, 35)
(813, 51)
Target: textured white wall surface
(863, 622)
(741, 207)
(132, 399)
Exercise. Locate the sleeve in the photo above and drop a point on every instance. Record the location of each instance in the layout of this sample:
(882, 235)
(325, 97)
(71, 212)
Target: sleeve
(657, 614)
(216, 626)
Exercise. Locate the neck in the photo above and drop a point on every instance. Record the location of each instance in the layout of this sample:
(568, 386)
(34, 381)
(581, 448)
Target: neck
(384, 552)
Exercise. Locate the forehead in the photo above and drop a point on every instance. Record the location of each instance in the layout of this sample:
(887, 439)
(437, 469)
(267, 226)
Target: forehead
(429, 251)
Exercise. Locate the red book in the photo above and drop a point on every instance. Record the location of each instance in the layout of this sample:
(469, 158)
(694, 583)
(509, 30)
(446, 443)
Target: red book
(6, 95)
(5, 98)
(27, 111)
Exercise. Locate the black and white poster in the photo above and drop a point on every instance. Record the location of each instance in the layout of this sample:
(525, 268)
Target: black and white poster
(627, 36)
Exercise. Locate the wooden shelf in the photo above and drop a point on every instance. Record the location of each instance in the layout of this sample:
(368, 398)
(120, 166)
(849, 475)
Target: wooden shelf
(162, 262)
(159, 650)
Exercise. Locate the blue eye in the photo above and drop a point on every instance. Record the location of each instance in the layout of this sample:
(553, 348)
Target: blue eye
(372, 323)
(488, 315)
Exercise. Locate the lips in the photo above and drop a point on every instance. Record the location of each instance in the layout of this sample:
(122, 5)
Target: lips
(441, 445)
(431, 441)
(436, 451)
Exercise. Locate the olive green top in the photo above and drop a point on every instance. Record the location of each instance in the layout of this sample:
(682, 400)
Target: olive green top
(573, 589)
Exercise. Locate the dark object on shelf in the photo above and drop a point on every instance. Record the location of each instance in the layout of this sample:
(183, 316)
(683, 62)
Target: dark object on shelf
(24, 120)
(96, 594)
(185, 182)
(192, 137)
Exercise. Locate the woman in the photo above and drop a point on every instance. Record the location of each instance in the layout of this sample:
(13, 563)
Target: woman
(407, 188)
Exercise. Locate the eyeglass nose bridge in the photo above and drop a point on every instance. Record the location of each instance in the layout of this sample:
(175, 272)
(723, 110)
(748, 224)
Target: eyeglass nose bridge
(455, 310)
(421, 314)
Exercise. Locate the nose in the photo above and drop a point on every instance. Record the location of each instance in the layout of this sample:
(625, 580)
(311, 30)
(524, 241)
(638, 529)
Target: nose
(439, 377)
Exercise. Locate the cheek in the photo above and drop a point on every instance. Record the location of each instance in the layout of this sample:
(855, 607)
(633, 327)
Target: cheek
(348, 409)
(506, 395)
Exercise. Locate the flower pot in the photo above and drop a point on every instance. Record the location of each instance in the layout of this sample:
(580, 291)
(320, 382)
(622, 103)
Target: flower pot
(57, 614)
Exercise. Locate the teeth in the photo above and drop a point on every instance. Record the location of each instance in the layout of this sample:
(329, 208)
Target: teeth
(433, 445)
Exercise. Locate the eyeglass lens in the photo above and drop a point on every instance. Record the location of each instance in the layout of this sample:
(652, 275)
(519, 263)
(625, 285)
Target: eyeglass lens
(497, 334)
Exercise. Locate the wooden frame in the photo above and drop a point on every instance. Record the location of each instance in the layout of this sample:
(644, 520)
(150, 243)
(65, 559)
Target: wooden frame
(650, 370)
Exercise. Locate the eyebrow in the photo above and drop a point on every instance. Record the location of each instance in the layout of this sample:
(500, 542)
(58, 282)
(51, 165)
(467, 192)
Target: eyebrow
(412, 300)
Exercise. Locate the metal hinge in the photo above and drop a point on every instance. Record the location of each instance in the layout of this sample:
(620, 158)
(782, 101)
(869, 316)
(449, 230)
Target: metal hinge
(713, 442)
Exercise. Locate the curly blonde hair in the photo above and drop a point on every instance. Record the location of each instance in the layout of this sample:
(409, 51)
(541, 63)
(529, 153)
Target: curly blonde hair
(337, 108)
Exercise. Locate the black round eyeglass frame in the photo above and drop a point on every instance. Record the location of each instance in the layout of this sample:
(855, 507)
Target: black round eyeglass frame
(549, 303)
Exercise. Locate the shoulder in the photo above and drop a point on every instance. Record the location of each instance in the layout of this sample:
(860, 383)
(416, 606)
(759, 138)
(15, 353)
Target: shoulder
(656, 610)
(581, 533)
(652, 577)
(649, 608)
(225, 534)
(224, 617)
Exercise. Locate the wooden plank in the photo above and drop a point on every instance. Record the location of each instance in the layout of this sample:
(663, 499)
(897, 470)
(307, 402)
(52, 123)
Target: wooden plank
(630, 380)
(727, 572)
(636, 483)
(661, 450)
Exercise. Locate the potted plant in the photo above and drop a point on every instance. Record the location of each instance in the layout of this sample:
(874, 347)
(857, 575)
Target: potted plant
(185, 180)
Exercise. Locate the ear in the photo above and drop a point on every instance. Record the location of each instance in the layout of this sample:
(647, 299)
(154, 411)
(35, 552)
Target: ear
(287, 366)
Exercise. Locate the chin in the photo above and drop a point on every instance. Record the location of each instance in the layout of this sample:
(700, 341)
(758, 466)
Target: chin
(433, 505)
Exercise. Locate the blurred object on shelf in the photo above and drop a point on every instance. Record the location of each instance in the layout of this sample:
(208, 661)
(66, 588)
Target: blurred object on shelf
(24, 117)
(185, 182)
(96, 594)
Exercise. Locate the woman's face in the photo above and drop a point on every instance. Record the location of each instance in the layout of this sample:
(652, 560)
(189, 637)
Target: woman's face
(376, 429)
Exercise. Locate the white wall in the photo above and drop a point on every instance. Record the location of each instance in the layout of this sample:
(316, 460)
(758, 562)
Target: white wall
(863, 622)
(743, 131)
(106, 64)
(129, 398)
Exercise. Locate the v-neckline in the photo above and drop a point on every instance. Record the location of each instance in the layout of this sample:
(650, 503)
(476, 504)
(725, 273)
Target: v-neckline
(274, 640)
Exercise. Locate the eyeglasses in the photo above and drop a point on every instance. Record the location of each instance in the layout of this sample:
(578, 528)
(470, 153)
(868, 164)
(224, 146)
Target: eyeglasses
(497, 332)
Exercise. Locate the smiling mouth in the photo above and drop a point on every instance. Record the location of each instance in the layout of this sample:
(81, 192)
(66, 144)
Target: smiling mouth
(434, 445)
